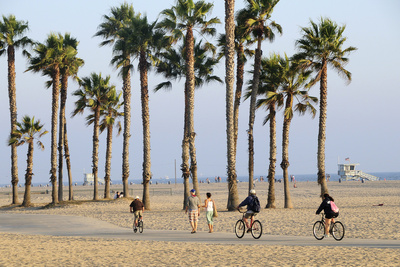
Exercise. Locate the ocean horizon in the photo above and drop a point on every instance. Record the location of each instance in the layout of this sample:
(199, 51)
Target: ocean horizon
(241, 178)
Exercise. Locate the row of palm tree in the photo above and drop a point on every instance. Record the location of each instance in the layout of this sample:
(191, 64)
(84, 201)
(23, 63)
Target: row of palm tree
(132, 37)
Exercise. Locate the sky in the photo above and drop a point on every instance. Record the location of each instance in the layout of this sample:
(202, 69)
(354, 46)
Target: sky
(362, 123)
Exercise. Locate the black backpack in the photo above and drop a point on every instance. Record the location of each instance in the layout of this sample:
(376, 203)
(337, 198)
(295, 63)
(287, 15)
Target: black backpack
(255, 204)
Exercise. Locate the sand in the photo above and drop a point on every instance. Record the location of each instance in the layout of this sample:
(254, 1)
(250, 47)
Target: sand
(359, 211)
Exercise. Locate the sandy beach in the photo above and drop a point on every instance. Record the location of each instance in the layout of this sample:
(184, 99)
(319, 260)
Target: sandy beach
(359, 211)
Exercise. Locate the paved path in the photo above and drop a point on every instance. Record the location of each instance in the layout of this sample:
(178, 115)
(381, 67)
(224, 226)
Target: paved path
(60, 225)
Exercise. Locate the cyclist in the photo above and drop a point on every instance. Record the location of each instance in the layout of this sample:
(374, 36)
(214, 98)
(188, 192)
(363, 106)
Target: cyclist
(329, 213)
(137, 208)
(252, 202)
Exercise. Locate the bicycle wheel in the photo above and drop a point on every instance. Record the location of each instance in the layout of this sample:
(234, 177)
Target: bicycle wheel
(240, 228)
(256, 229)
(140, 226)
(319, 230)
(337, 231)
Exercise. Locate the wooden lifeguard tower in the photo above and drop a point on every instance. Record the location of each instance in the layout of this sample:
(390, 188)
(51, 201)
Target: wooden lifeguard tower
(348, 171)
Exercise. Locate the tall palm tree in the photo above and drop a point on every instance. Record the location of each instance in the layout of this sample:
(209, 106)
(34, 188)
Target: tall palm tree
(241, 40)
(12, 37)
(110, 113)
(144, 42)
(27, 132)
(49, 59)
(69, 67)
(321, 46)
(93, 95)
(181, 21)
(271, 78)
(113, 29)
(258, 23)
(294, 79)
(171, 63)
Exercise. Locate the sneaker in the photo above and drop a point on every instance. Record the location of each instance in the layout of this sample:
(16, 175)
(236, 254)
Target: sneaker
(326, 235)
(135, 230)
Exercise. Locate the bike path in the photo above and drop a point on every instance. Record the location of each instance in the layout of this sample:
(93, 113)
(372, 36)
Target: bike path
(77, 226)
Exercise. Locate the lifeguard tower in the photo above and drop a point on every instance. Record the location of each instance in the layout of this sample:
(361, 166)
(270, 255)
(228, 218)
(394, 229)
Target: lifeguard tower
(88, 178)
(348, 172)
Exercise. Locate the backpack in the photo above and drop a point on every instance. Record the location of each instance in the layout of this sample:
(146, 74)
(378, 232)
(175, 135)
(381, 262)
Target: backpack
(334, 208)
(255, 204)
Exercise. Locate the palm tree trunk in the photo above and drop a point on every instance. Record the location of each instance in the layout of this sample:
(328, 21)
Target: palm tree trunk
(238, 93)
(232, 112)
(64, 86)
(95, 155)
(127, 125)
(68, 162)
(321, 130)
(13, 117)
(285, 159)
(28, 176)
(185, 153)
(272, 158)
(253, 98)
(190, 83)
(107, 176)
(55, 100)
(146, 129)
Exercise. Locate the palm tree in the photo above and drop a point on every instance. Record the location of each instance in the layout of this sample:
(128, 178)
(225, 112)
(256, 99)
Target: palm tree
(171, 64)
(110, 114)
(270, 80)
(113, 29)
(259, 24)
(12, 37)
(144, 42)
(94, 94)
(322, 45)
(69, 67)
(49, 59)
(293, 80)
(241, 38)
(181, 21)
(27, 132)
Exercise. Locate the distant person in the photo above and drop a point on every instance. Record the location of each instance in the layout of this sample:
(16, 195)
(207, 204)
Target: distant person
(116, 195)
(253, 208)
(329, 213)
(209, 206)
(137, 208)
(121, 194)
(193, 206)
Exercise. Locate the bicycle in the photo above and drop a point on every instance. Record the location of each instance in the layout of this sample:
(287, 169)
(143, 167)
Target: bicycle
(336, 229)
(255, 228)
(139, 225)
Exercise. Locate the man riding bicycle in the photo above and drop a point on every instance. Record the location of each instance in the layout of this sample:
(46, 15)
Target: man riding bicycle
(253, 207)
(137, 208)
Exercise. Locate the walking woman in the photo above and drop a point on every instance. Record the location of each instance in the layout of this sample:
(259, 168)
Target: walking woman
(210, 207)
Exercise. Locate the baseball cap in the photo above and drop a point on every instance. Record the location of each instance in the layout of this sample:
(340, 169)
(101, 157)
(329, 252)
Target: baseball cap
(252, 191)
(137, 197)
(192, 191)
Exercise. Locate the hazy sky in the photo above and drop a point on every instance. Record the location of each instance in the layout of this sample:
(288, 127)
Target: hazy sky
(363, 121)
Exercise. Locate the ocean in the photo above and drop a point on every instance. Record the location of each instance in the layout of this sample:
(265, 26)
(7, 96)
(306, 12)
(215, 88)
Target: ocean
(298, 177)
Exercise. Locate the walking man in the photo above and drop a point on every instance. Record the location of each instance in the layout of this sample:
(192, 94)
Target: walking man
(193, 205)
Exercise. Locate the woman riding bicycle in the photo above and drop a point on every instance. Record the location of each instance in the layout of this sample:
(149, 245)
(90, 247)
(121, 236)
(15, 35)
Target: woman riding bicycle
(329, 213)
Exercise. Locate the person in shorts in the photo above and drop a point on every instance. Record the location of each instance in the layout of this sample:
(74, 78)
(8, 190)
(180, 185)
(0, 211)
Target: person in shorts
(249, 213)
(329, 213)
(193, 206)
(137, 208)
